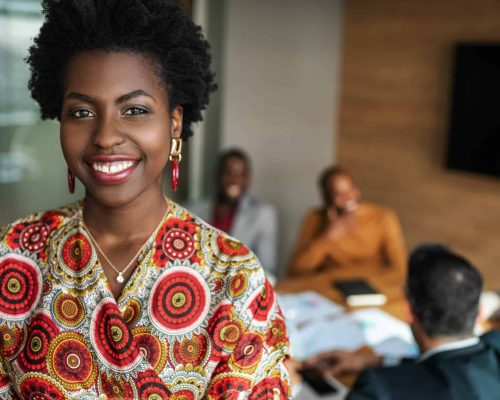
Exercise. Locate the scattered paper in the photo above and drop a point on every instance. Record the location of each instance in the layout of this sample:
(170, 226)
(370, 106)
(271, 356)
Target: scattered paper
(387, 335)
(342, 333)
(300, 308)
(317, 324)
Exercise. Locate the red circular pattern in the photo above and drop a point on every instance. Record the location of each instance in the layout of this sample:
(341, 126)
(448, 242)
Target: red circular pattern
(238, 285)
(11, 340)
(183, 394)
(68, 310)
(37, 387)
(248, 352)
(153, 349)
(116, 389)
(231, 247)
(151, 387)
(76, 252)
(20, 287)
(229, 387)
(33, 237)
(179, 301)
(175, 240)
(132, 312)
(41, 331)
(52, 218)
(276, 335)
(112, 339)
(270, 389)
(261, 304)
(192, 350)
(224, 330)
(70, 361)
(178, 244)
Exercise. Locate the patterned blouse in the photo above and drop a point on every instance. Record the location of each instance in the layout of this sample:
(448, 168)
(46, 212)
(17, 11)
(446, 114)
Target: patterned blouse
(197, 319)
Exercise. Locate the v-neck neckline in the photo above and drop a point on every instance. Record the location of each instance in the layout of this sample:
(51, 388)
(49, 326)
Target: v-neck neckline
(147, 248)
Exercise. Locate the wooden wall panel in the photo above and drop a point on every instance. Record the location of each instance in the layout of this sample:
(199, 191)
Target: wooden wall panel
(395, 99)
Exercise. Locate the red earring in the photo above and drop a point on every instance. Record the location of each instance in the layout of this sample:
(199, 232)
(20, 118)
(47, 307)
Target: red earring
(175, 174)
(71, 182)
(175, 157)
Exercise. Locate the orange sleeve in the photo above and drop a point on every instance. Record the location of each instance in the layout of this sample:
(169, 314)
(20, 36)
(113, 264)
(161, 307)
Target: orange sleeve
(311, 248)
(394, 245)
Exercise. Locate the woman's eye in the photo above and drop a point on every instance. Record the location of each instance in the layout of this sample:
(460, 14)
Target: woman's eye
(135, 111)
(81, 113)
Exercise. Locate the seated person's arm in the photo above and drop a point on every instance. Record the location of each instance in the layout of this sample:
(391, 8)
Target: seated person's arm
(311, 248)
(394, 245)
(338, 362)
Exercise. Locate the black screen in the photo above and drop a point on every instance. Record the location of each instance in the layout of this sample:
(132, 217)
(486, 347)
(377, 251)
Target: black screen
(474, 138)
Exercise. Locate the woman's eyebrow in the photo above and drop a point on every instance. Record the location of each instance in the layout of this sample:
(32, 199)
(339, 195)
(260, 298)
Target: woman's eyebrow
(79, 96)
(131, 95)
(121, 99)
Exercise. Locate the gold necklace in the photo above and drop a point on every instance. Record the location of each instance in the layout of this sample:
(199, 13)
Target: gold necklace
(120, 277)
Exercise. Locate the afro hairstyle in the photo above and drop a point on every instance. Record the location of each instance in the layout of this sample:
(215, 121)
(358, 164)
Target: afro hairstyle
(155, 28)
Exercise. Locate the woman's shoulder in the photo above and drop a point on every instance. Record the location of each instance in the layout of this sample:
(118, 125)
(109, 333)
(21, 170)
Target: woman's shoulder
(224, 248)
(31, 232)
(378, 214)
(231, 269)
(375, 209)
(216, 249)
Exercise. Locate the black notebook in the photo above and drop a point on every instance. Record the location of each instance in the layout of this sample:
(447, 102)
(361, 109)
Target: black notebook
(359, 292)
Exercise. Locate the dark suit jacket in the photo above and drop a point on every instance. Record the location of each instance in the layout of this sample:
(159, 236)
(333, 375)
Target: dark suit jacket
(471, 373)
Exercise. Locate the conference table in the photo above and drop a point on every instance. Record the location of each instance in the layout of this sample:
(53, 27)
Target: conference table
(386, 280)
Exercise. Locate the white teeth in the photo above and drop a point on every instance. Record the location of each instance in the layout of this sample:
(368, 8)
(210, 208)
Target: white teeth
(112, 167)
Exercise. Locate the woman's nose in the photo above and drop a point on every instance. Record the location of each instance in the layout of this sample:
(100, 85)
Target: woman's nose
(107, 133)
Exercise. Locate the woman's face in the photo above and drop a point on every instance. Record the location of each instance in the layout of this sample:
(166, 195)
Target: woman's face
(345, 194)
(116, 125)
(234, 178)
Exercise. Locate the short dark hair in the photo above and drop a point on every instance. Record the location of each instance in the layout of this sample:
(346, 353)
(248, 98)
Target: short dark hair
(324, 180)
(443, 290)
(155, 28)
(231, 153)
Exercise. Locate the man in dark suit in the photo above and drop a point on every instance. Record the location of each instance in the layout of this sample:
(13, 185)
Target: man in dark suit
(443, 291)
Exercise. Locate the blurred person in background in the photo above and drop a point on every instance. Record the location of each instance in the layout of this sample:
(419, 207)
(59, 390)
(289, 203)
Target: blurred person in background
(235, 212)
(443, 292)
(345, 231)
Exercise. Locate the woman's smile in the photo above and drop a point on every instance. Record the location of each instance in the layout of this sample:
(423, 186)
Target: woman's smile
(111, 170)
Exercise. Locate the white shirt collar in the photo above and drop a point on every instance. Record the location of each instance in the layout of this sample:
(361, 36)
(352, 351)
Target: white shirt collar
(458, 344)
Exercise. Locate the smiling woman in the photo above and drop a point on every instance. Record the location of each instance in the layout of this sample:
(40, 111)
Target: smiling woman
(125, 294)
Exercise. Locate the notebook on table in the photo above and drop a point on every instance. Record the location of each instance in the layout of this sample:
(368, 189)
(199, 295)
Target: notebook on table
(359, 292)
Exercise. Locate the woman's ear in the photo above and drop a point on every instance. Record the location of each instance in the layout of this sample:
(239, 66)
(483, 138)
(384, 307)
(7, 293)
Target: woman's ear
(176, 122)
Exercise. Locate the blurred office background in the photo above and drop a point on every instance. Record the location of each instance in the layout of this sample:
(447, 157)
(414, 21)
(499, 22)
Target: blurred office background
(302, 84)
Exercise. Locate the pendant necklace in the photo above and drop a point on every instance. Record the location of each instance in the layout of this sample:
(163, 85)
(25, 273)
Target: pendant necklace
(119, 277)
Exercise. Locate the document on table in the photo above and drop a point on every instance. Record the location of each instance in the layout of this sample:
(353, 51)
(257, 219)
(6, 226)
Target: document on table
(316, 324)
(385, 334)
(342, 332)
(302, 307)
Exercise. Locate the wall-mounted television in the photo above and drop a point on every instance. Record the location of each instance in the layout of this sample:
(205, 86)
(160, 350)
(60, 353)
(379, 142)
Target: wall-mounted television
(474, 135)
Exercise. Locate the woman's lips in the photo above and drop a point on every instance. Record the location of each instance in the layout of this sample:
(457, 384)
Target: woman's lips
(111, 170)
